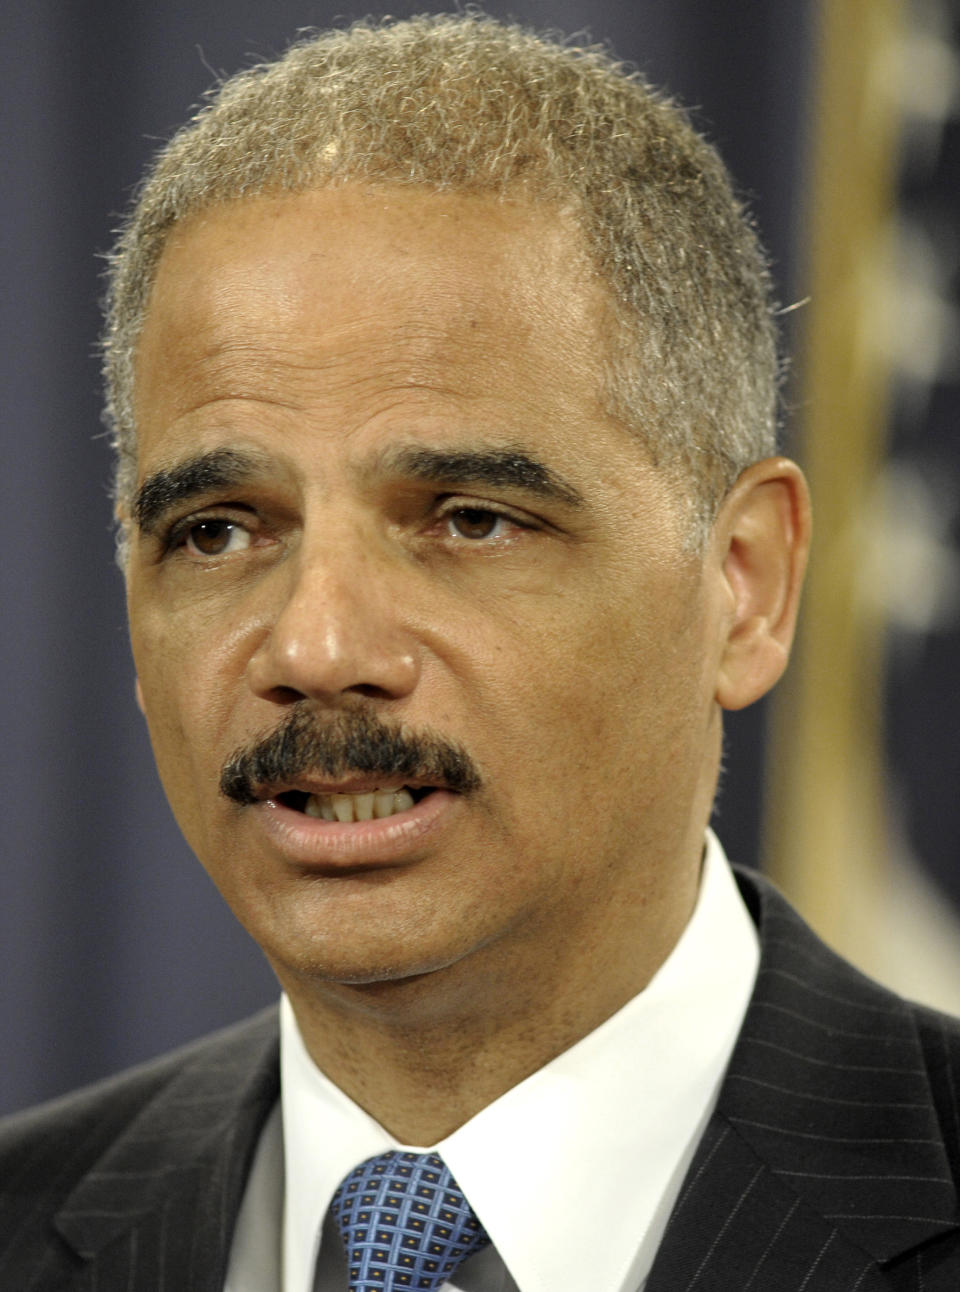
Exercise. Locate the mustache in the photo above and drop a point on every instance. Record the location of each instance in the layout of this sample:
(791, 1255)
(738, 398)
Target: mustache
(349, 742)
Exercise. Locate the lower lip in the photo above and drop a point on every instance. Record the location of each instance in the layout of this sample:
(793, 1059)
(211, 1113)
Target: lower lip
(356, 845)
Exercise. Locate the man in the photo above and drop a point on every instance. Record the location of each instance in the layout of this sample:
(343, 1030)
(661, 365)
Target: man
(443, 379)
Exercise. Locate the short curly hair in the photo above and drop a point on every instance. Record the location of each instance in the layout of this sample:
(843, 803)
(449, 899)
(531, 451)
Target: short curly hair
(467, 103)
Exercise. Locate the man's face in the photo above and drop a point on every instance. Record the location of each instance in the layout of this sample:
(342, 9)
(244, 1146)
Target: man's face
(380, 486)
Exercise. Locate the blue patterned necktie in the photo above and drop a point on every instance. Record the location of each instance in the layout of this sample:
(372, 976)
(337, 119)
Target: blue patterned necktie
(405, 1223)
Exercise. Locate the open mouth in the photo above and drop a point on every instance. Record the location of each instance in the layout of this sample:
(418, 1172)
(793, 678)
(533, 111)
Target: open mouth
(344, 808)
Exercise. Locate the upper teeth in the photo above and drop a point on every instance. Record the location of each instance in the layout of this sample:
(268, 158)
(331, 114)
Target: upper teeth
(358, 807)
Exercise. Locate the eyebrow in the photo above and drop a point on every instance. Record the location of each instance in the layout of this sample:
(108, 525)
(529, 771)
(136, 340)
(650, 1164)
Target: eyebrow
(512, 468)
(216, 469)
(221, 468)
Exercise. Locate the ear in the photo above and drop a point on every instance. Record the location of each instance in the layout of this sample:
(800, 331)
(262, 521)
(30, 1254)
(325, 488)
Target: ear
(763, 536)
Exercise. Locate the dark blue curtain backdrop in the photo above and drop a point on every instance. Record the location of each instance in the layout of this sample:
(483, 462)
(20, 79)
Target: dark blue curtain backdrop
(114, 944)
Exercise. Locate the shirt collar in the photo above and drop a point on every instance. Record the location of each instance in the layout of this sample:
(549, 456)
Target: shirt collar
(606, 1129)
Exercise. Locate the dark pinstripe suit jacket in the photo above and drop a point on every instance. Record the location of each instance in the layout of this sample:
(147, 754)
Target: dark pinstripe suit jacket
(830, 1165)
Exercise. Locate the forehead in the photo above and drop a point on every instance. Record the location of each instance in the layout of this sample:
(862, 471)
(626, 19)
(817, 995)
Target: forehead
(363, 294)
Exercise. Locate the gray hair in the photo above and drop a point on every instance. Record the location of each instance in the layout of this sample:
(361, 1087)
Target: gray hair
(466, 103)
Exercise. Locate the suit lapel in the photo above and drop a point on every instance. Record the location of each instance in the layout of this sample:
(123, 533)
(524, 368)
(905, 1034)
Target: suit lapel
(157, 1210)
(737, 1226)
(824, 1159)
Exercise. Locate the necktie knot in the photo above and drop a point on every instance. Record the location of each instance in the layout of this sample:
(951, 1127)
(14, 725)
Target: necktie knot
(405, 1223)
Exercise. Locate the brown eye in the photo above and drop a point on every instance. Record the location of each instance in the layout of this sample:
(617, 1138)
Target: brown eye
(216, 538)
(474, 522)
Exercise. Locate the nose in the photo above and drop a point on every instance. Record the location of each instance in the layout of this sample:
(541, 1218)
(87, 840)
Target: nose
(333, 627)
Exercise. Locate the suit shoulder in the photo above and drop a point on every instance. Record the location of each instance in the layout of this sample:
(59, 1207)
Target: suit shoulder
(940, 1041)
(790, 948)
(118, 1144)
(940, 1035)
(64, 1136)
(858, 1020)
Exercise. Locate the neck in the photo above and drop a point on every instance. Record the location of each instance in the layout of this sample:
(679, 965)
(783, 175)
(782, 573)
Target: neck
(423, 1055)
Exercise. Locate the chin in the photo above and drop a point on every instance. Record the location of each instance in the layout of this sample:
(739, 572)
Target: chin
(310, 967)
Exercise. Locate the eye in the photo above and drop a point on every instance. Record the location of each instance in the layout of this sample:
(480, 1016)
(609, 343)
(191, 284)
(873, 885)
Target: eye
(477, 523)
(215, 538)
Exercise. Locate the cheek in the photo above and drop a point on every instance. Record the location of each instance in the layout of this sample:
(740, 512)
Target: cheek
(612, 703)
(189, 676)
(173, 714)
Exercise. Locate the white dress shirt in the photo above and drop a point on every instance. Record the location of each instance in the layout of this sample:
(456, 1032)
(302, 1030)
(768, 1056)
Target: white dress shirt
(606, 1129)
